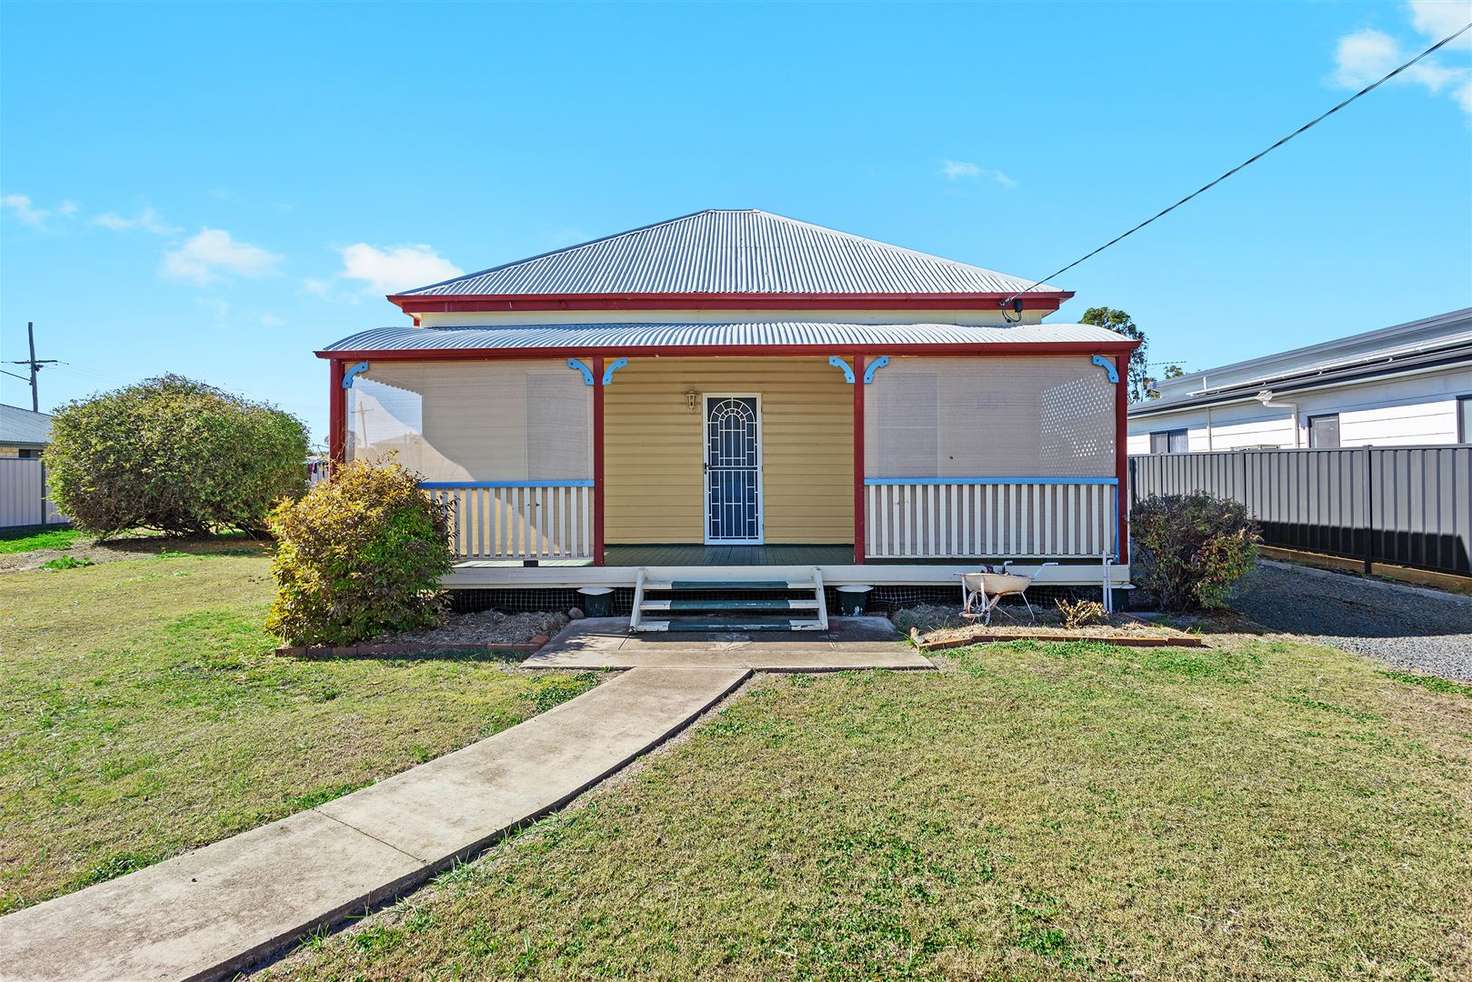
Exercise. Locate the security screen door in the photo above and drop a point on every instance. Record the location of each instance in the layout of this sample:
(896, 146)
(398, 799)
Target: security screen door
(733, 469)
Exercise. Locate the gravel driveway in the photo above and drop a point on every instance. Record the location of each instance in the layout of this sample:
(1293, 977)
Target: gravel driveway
(1405, 626)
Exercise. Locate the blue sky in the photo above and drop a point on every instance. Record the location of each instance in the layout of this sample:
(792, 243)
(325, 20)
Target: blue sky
(218, 190)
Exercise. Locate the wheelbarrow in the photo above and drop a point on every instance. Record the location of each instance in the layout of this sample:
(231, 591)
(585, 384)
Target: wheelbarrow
(981, 592)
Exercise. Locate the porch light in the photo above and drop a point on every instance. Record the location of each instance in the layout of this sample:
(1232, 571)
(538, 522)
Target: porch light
(690, 399)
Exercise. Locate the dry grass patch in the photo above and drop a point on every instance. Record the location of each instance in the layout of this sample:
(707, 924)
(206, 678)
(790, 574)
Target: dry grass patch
(1267, 810)
(142, 714)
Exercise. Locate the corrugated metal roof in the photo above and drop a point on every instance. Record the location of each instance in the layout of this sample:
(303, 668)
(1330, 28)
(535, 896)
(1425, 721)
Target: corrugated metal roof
(774, 333)
(731, 252)
(1368, 349)
(21, 426)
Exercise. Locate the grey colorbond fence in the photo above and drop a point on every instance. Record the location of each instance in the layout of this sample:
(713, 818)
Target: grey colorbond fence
(1410, 506)
(23, 498)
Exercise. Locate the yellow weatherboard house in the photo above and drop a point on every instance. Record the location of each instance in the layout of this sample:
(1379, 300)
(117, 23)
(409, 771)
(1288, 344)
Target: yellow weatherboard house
(739, 398)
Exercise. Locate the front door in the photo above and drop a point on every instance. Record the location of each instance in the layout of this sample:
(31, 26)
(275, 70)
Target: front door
(733, 469)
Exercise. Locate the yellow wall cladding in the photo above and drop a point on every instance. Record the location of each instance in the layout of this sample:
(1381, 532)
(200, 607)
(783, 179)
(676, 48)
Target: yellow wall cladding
(653, 446)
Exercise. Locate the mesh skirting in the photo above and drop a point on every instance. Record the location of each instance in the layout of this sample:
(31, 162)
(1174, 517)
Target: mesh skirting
(523, 599)
(880, 600)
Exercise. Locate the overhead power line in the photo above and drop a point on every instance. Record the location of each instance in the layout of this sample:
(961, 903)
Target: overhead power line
(1250, 160)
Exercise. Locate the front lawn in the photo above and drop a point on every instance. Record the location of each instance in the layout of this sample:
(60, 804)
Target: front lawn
(141, 714)
(1270, 810)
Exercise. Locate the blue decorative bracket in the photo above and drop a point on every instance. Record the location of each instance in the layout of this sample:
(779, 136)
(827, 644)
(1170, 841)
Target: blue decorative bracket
(577, 365)
(874, 366)
(352, 372)
(839, 363)
(612, 367)
(1108, 365)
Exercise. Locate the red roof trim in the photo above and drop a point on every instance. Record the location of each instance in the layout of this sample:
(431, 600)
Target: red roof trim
(413, 303)
(726, 350)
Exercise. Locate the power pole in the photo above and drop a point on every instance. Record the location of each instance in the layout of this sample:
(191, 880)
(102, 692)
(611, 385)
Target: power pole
(35, 366)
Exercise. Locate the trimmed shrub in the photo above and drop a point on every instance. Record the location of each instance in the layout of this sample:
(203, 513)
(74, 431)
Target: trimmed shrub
(174, 455)
(1190, 549)
(361, 554)
(1081, 613)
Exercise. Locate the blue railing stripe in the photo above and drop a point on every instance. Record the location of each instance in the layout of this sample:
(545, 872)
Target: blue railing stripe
(990, 480)
(445, 485)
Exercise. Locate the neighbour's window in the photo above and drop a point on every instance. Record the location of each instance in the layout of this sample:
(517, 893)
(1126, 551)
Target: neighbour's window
(1464, 419)
(1169, 441)
(1323, 431)
(29, 453)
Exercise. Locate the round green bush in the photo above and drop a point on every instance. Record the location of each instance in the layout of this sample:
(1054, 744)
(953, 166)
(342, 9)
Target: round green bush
(361, 554)
(174, 455)
(1190, 549)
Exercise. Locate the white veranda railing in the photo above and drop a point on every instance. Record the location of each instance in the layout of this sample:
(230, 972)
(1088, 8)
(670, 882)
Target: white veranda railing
(935, 517)
(518, 519)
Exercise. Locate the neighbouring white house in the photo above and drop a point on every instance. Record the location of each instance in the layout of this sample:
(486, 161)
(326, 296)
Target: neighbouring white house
(24, 436)
(23, 433)
(739, 401)
(1407, 385)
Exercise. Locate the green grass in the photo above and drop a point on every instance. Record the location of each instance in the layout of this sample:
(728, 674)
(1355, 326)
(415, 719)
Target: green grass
(142, 714)
(48, 539)
(1431, 682)
(1034, 811)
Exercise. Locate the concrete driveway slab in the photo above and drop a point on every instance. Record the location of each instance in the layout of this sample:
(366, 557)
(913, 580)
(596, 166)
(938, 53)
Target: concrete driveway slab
(850, 643)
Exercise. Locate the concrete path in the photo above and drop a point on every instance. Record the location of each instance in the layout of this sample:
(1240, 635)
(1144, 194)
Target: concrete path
(849, 643)
(218, 909)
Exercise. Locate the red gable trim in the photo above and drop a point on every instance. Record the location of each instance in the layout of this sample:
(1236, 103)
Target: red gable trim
(413, 304)
(727, 350)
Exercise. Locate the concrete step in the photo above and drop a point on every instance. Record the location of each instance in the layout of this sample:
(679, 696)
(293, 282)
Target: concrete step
(734, 625)
(713, 585)
(716, 604)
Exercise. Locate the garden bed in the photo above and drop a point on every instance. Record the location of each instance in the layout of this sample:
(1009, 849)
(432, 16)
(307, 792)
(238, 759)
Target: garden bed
(486, 632)
(942, 628)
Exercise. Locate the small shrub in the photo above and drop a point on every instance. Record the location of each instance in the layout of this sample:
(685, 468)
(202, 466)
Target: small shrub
(361, 554)
(1190, 549)
(68, 562)
(1081, 613)
(174, 455)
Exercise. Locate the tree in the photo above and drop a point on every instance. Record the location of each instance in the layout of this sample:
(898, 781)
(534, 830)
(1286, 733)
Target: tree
(1174, 370)
(174, 455)
(1120, 321)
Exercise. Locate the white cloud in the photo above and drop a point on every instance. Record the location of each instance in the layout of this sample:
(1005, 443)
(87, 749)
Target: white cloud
(395, 268)
(1438, 18)
(271, 320)
(26, 210)
(956, 170)
(1366, 55)
(148, 220)
(316, 287)
(212, 252)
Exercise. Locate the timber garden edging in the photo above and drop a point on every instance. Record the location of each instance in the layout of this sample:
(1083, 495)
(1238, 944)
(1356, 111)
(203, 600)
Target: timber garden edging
(1124, 641)
(419, 649)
